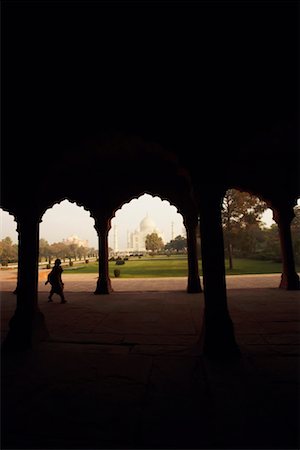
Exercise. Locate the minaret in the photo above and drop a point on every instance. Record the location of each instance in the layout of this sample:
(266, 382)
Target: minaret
(172, 231)
(116, 249)
(128, 241)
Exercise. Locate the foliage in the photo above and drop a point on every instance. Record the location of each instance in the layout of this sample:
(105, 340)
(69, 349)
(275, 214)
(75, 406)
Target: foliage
(63, 251)
(117, 273)
(177, 266)
(154, 243)
(295, 229)
(241, 219)
(179, 244)
(8, 251)
(270, 246)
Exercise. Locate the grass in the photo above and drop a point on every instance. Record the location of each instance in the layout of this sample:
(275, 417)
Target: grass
(149, 267)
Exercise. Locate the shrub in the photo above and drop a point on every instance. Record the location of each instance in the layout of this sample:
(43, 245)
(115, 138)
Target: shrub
(120, 262)
(117, 272)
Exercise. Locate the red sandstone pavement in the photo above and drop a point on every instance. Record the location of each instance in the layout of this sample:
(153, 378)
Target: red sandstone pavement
(125, 370)
(87, 282)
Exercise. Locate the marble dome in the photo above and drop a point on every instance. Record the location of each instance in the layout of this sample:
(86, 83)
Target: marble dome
(147, 224)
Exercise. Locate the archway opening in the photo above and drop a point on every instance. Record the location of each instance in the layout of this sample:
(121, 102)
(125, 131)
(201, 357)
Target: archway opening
(251, 241)
(147, 241)
(67, 233)
(8, 240)
(295, 230)
(8, 268)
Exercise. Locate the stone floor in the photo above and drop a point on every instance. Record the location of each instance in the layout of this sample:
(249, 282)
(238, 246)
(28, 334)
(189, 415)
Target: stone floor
(124, 370)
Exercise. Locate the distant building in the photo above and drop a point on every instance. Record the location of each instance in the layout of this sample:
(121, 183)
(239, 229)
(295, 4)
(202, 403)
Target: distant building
(136, 240)
(75, 240)
(116, 245)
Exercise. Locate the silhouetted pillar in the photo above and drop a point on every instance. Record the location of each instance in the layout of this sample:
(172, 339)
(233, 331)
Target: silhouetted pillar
(194, 285)
(218, 340)
(102, 226)
(27, 326)
(19, 246)
(283, 216)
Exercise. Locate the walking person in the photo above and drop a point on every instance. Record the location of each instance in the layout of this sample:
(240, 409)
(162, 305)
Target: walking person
(54, 278)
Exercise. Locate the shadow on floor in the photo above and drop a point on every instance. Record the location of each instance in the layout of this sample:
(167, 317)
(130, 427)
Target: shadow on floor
(125, 371)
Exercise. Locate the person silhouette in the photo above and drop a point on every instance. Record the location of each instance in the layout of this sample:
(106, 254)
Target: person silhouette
(54, 278)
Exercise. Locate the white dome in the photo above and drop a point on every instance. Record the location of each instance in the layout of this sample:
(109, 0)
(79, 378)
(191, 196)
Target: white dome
(147, 224)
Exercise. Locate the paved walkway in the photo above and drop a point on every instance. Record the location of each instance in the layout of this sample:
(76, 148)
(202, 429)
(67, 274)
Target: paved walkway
(87, 282)
(125, 370)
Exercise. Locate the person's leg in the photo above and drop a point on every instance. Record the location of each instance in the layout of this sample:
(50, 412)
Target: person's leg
(62, 297)
(51, 295)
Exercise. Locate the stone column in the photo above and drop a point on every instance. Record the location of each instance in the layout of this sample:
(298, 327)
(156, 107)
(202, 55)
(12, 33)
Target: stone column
(218, 339)
(283, 216)
(102, 226)
(27, 326)
(19, 246)
(194, 285)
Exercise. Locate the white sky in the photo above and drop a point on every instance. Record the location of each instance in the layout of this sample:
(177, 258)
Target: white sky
(67, 219)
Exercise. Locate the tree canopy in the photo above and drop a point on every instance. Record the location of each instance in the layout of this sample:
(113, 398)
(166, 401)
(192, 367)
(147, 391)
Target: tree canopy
(241, 219)
(178, 244)
(154, 243)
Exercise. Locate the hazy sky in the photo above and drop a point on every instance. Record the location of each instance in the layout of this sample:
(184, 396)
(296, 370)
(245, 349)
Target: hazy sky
(67, 219)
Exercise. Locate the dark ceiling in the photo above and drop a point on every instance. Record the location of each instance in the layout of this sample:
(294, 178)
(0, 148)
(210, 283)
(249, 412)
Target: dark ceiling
(205, 80)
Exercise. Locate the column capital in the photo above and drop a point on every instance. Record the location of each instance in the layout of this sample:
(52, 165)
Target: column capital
(191, 220)
(212, 199)
(283, 214)
(102, 224)
(27, 220)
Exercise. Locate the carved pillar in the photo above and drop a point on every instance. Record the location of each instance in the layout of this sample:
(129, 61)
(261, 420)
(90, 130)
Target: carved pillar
(283, 216)
(27, 326)
(19, 246)
(218, 339)
(194, 285)
(102, 226)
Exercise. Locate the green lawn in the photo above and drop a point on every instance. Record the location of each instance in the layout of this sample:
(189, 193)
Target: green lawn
(149, 267)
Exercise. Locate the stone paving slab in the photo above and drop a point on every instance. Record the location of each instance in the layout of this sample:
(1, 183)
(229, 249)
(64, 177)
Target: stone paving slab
(87, 282)
(125, 371)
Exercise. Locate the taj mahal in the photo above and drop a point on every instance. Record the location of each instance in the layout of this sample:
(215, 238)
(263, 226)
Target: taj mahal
(137, 238)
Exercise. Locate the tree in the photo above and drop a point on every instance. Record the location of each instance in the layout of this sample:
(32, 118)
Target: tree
(240, 211)
(59, 250)
(178, 244)
(153, 242)
(295, 229)
(270, 249)
(44, 249)
(8, 251)
(73, 250)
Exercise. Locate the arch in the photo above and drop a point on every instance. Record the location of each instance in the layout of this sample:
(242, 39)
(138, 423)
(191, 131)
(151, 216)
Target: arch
(242, 211)
(148, 197)
(9, 247)
(57, 201)
(135, 236)
(74, 241)
(7, 219)
(257, 241)
(295, 231)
